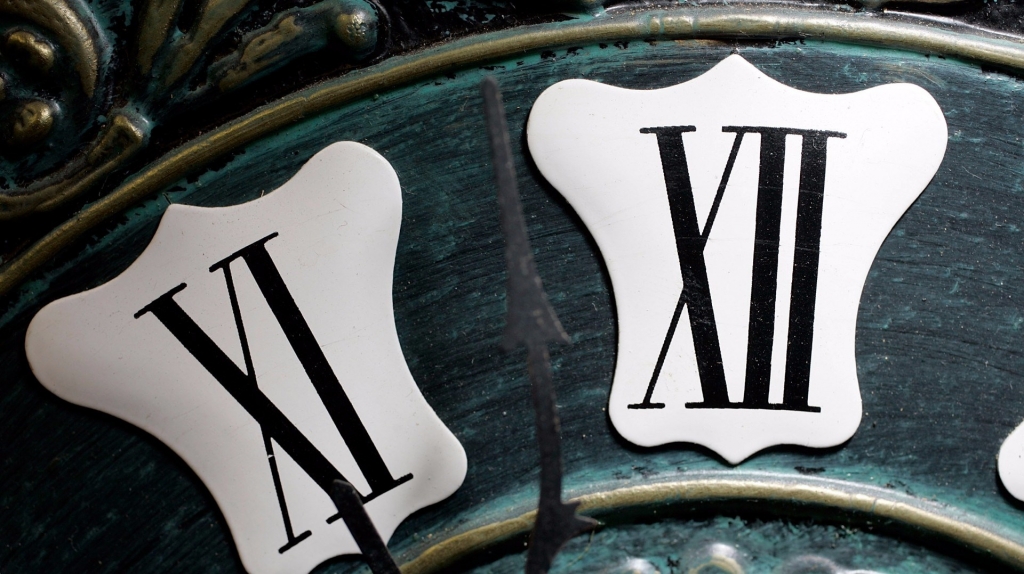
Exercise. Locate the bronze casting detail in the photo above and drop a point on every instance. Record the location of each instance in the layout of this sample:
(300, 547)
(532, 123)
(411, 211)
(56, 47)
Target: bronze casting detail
(172, 66)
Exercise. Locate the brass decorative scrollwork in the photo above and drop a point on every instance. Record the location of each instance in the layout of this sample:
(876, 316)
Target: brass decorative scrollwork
(174, 69)
(78, 36)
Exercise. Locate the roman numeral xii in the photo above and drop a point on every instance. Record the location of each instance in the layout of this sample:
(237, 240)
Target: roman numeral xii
(696, 291)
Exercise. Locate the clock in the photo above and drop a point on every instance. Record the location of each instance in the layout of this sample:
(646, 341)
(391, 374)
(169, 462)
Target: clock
(744, 276)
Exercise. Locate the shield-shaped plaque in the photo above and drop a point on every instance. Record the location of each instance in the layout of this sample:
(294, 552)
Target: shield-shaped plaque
(258, 341)
(738, 219)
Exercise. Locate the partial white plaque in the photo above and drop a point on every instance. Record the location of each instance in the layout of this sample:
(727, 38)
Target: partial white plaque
(259, 342)
(738, 218)
(1011, 463)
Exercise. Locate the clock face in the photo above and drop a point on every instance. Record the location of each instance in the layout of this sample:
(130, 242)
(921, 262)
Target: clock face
(856, 207)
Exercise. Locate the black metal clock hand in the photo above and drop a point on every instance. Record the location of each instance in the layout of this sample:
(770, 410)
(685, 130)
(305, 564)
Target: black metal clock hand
(350, 507)
(531, 321)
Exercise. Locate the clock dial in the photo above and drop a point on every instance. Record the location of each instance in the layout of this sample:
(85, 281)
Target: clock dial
(936, 339)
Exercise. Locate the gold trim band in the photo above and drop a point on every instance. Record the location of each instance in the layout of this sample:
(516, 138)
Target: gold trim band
(826, 494)
(740, 21)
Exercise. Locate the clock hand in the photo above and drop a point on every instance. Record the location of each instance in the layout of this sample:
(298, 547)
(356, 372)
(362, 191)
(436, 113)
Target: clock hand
(351, 509)
(531, 321)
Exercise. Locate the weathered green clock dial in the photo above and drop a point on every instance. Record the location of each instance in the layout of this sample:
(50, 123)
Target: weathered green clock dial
(120, 124)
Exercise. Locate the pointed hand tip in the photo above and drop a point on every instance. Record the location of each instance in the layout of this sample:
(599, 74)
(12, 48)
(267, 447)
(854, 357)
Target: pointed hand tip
(342, 492)
(585, 523)
(489, 87)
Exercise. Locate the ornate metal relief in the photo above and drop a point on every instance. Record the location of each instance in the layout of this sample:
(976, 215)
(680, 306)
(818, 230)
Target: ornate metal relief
(64, 145)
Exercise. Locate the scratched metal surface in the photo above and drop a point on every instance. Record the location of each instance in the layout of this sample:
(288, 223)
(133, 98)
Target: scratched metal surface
(938, 342)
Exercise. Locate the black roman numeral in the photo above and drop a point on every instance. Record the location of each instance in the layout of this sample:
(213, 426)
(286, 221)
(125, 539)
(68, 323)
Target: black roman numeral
(696, 291)
(243, 386)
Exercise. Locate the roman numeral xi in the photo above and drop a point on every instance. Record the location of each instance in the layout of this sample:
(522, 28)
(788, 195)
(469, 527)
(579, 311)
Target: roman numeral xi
(243, 386)
(696, 291)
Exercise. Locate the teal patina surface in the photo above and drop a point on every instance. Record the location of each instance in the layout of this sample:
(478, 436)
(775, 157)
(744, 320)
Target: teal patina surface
(938, 343)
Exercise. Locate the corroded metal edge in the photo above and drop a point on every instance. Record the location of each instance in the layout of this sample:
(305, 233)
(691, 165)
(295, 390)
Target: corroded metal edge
(717, 22)
(830, 495)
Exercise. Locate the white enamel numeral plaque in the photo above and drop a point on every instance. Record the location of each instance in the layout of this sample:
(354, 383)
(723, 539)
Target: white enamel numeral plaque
(1011, 463)
(738, 218)
(259, 342)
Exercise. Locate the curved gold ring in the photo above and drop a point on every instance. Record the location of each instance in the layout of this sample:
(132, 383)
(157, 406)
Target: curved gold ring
(821, 494)
(746, 22)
